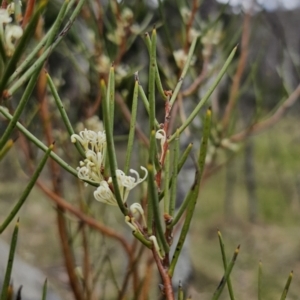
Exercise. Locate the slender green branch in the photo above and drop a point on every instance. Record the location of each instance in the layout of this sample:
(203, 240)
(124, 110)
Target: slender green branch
(182, 208)
(2, 53)
(174, 177)
(111, 153)
(39, 46)
(47, 52)
(45, 290)
(157, 76)
(63, 114)
(57, 24)
(111, 97)
(103, 97)
(206, 96)
(180, 292)
(132, 126)
(152, 81)
(156, 211)
(150, 202)
(10, 262)
(182, 160)
(195, 191)
(166, 183)
(6, 148)
(11, 66)
(165, 27)
(222, 246)
(27, 191)
(146, 103)
(142, 239)
(42, 146)
(226, 275)
(184, 71)
(19, 109)
(287, 286)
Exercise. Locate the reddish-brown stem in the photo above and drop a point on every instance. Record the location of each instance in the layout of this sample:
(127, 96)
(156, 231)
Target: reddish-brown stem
(70, 266)
(200, 78)
(4, 4)
(132, 270)
(28, 12)
(92, 109)
(190, 24)
(86, 219)
(265, 124)
(167, 282)
(100, 18)
(122, 46)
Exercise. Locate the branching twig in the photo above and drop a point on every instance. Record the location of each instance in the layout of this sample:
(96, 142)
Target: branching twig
(265, 124)
(84, 218)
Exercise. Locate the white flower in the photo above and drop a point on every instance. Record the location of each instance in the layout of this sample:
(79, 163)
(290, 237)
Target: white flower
(11, 8)
(4, 17)
(117, 35)
(94, 144)
(135, 29)
(126, 15)
(127, 183)
(12, 35)
(193, 33)
(104, 194)
(226, 143)
(122, 71)
(161, 135)
(180, 58)
(185, 14)
(91, 140)
(93, 123)
(90, 169)
(136, 208)
(103, 64)
(83, 173)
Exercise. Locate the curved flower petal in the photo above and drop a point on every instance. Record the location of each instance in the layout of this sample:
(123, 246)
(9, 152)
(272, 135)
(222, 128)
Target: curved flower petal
(12, 35)
(104, 194)
(161, 135)
(136, 208)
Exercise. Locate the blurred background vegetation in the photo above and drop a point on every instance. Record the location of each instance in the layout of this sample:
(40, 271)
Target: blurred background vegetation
(251, 187)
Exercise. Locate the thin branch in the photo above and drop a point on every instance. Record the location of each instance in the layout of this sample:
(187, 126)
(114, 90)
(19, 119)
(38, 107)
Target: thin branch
(84, 218)
(28, 13)
(269, 122)
(166, 279)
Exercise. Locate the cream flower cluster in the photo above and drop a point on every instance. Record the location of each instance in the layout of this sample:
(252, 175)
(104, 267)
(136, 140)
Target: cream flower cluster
(91, 168)
(9, 33)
